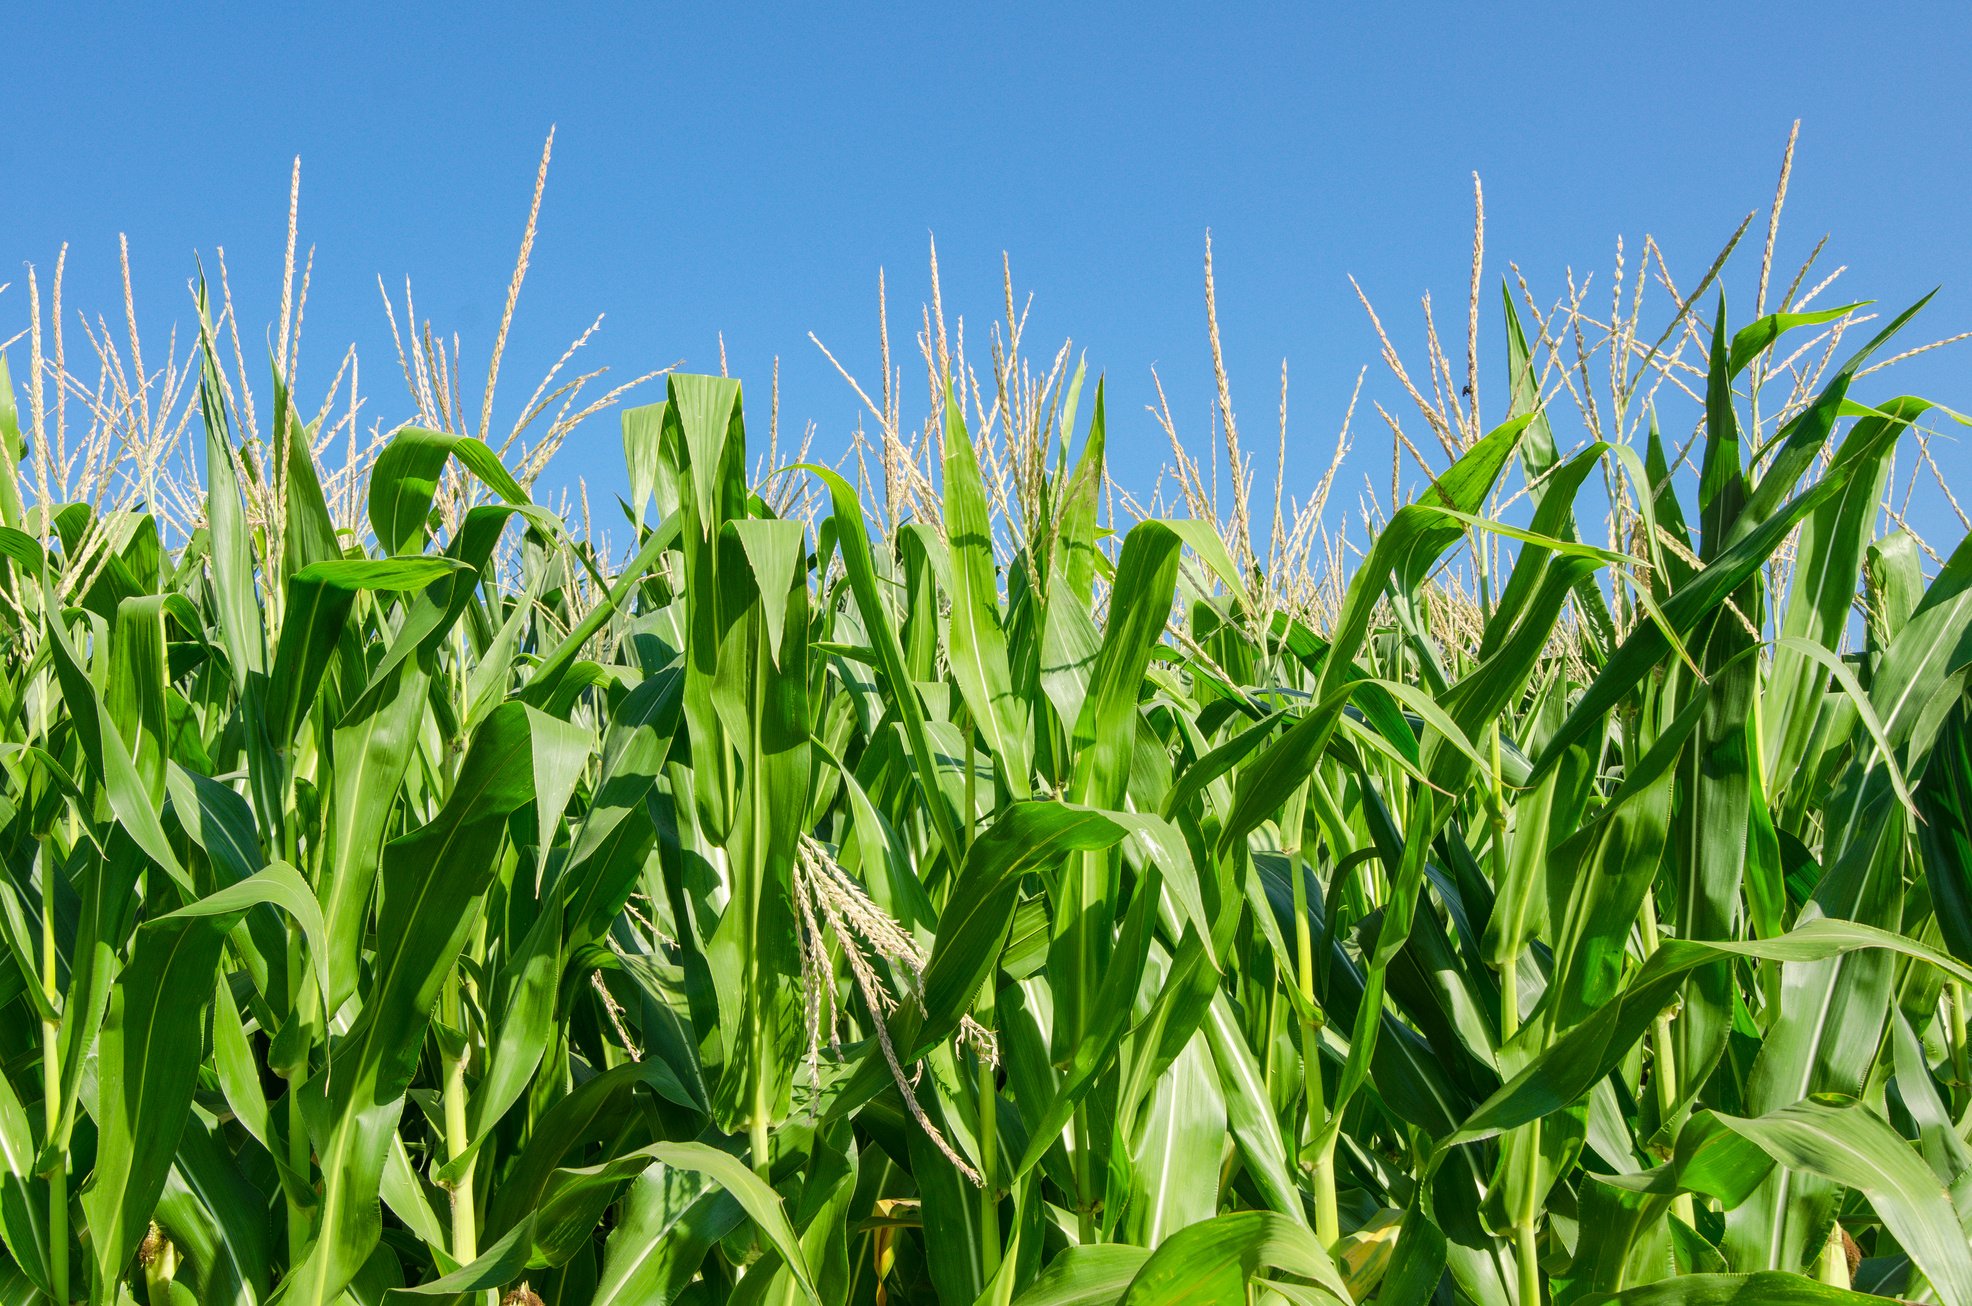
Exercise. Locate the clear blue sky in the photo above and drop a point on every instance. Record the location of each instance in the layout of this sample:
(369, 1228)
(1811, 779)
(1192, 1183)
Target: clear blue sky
(749, 173)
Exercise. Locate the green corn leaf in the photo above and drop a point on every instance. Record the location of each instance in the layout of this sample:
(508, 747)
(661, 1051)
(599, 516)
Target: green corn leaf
(976, 645)
(1762, 1288)
(1848, 1145)
(1216, 1260)
(668, 1223)
(405, 478)
(319, 600)
(1094, 1275)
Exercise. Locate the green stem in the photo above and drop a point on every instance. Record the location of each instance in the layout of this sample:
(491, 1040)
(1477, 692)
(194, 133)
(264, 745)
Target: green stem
(989, 1109)
(756, 1131)
(1526, 1258)
(1510, 966)
(1664, 1070)
(298, 1151)
(1328, 1219)
(1961, 1057)
(989, 1144)
(58, 1248)
(51, 1084)
(1085, 1207)
(1526, 1219)
(1524, 1188)
(753, 871)
(1526, 1216)
(1510, 996)
(1328, 1225)
(458, 1134)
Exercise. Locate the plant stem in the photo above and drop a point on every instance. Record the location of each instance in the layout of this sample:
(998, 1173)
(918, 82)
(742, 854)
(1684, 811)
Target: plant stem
(298, 1150)
(1961, 1057)
(1524, 1187)
(58, 1249)
(1085, 1208)
(51, 1087)
(1527, 1196)
(1510, 966)
(1328, 1219)
(1664, 1073)
(757, 1139)
(989, 1144)
(458, 1135)
(1328, 1225)
(989, 1101)
(1526, 1257)
(1510, 996)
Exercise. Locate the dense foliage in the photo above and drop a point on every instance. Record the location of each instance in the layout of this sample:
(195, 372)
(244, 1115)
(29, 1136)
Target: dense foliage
(980, 903)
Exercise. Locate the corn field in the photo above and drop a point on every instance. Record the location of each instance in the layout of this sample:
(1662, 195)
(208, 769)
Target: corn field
(941, 876)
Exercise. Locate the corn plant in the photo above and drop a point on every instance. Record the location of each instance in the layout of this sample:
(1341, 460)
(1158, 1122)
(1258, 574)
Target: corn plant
(960, 893)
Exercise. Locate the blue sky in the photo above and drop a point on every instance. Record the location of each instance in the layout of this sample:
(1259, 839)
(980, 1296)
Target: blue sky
(748, 173)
